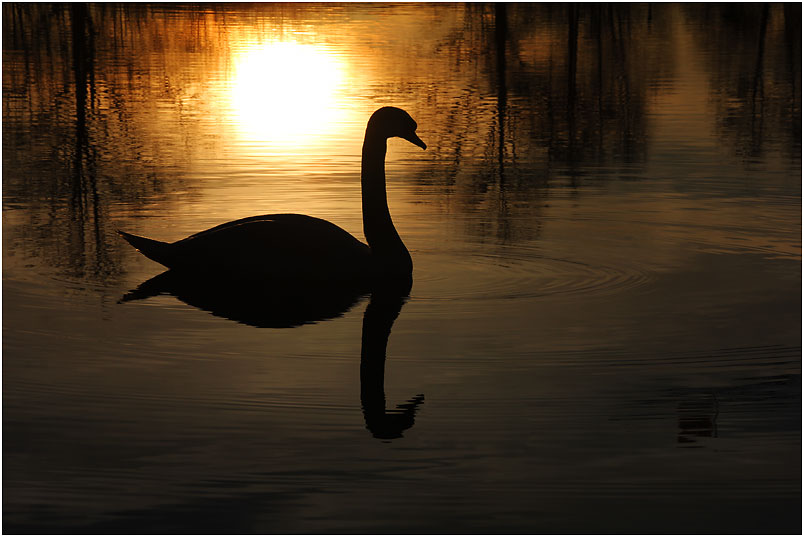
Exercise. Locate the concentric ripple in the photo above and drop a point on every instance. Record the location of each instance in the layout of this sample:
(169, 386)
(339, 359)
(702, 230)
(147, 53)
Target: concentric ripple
(520, 275)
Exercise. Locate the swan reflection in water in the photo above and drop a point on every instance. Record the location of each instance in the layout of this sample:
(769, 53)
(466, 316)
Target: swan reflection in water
(305, 269)
(289, 305)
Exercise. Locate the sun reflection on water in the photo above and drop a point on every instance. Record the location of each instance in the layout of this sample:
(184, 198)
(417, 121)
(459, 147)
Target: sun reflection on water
(283, 91)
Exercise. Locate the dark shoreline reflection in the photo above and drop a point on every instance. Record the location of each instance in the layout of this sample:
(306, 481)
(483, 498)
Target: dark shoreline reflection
(292, 304)
(103, 113)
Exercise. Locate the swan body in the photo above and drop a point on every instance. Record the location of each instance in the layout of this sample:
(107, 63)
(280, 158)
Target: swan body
(279, 245)
(294, 246)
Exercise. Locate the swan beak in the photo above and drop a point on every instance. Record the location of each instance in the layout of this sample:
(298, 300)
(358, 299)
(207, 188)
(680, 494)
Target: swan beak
(415, 140)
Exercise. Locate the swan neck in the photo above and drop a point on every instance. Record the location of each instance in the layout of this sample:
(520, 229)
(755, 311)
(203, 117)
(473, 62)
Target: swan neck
(378, 227)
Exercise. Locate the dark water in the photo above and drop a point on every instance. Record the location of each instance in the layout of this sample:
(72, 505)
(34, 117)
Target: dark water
(604, 330)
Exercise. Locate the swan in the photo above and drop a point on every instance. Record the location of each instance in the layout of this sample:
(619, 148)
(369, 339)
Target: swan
(300, 247)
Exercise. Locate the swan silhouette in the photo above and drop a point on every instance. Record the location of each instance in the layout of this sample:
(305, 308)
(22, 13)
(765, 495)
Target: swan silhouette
(299, 247)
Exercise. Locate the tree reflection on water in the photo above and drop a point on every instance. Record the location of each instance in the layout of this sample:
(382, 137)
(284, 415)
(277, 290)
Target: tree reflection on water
(106, 106)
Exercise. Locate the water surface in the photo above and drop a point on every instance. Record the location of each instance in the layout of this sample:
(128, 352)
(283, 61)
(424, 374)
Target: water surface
(604, 330)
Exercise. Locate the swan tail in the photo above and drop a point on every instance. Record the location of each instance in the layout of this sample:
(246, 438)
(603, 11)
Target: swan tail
(155, 250)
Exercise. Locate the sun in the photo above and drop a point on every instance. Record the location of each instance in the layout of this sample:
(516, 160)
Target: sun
(283, 91)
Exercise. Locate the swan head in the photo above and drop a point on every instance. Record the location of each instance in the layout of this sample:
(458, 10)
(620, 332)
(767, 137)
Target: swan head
(390, 122)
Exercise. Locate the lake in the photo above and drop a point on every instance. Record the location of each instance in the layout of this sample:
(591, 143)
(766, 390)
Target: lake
(603, 334)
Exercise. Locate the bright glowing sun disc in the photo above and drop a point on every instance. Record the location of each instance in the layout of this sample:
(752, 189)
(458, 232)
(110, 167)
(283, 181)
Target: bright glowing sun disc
(283, 91)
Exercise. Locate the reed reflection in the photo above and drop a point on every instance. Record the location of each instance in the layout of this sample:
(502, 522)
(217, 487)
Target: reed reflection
(109, 108)
(757, 103)
(288, 305)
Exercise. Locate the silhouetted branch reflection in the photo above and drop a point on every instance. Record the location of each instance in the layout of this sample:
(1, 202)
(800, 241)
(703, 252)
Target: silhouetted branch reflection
(75, 146)
(107, 107)
(757, 93)
(85, 200)
(290, 304)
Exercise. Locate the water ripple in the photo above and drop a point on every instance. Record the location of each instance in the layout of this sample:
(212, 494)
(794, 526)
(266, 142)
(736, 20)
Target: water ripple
(518, 276)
